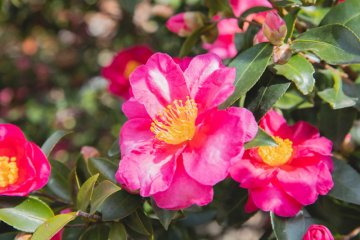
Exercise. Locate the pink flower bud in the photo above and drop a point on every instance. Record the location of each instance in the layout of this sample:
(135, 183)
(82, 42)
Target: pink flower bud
(89, 152)
(183, 24)
(318, 232)
(274, 28)
(259, 37)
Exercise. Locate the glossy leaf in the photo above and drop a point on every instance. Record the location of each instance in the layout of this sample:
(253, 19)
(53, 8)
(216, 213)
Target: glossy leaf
(288, 3)
(105, 167)
(292, 100)
(265, 93)
(291, 228)
(261, 139)
(114, 149)
(101, 193)
(335, 96)
(85, 193)
(250, 65)
(117, 232)
(8, 235)
(53, 225)
(139, 223)
(96, 232)
(290, 20)
(334, 43)
(300, 71)
(120, 205)
(50, 143)
(352, 90)
(25, 214)
(346, 13)
(346, 183)
(165, 216)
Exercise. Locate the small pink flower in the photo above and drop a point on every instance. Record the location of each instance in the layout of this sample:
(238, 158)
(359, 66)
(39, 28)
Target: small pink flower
(172, 149)
(183, 24)
(224, 45)
(284, 178)
(89, 152)
(241, 6)
(122, 65)
(23, 166)
(318, 232)
(274, 28)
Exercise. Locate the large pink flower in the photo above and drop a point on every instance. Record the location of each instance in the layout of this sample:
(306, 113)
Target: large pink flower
(282, 179)
(318, 232)
(122, 65)
(176, 144)
(241, 6)
(23, 166)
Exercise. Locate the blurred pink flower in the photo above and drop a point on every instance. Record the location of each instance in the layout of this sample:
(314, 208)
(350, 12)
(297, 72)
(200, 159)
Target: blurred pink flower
(318, 232)
(284, 178)
(172, 149)
(183, 24)
(241, 6)
(89, 152)
(122, 65)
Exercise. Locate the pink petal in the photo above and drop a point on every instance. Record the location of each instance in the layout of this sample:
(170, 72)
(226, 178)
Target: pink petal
(209, 81)
(275, 124)
(240, 6)
(316, 146)
(183, 192)
(325, 182)
(209, 155)
(158, 83)
(134, 109)
(303, 131)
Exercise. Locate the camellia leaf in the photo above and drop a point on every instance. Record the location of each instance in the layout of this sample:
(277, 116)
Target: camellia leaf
(288, 3)
(25, 214)
(346, 183)
(50, 143)
(8, 235)
(290, 20)
(96, 232)
(292, 100)
(139, 223)
(101, 193)
(265, 93)
(346, 13)
(114, 149)
(291, 228)
(53, 225)
(299, 71)
(335, 96)
(105, 167)
(85, 193)
(261, 139)
(165, 216)
(352, 90)
(250, 65)
(117, 232)
(334, 43)
(120, 205)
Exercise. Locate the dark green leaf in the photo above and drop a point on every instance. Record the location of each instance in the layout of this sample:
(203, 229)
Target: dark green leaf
(292, 100)
(8, 235)
(114, 149)
(291, 228)
(53, 225)
(50, 143)
(120, 205)
(334, 43)
(25, 214)
(335, 124)
(117, 232)
(346, 13)
(165, 216)
(129, 5)
(261, 139)
(265, 93)
(198, 218)
(85, 193)
(59, 182)
(250, 65)
(288, 3)
(101, 193)
(352, 90)
(346, 183)
(139, 223)
(290, 20)
(300, 71)
(216, 6)
(104, 166)
(96, 232)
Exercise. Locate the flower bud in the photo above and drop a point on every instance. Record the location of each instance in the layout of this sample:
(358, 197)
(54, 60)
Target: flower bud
(89, 152)
(274, 28)
(282, 54)
(23, 236)
(318, 232)
(259, 37)
(183, 24)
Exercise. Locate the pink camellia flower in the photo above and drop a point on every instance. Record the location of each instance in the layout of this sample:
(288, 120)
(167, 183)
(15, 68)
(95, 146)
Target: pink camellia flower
(241, 6)
(176, 144)
(183, 24)
(284, 178)
(122, 65)
(224, 45)
(23, 166)
(273, 29)
(318, 232)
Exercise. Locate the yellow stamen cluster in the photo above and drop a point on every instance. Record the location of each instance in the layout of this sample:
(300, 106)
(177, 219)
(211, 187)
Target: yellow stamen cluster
(130, 67)
(9, 172)
(176, 124)
(276, 156)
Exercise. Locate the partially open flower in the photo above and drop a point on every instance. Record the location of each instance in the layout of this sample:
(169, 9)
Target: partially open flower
(184, 24)
(286, 177)
(318, 232)
(23, 166)
(241, 6)
(274, 28)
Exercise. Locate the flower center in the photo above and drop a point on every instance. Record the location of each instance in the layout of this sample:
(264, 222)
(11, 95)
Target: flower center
(8, 171)
(276, 156)
(176, 124)
(130, 67)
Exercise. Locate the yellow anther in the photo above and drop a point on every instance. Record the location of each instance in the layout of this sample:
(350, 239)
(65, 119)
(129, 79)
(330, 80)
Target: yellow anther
(176, 124)
(9, 172)
(279, 155)
(130, 67)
